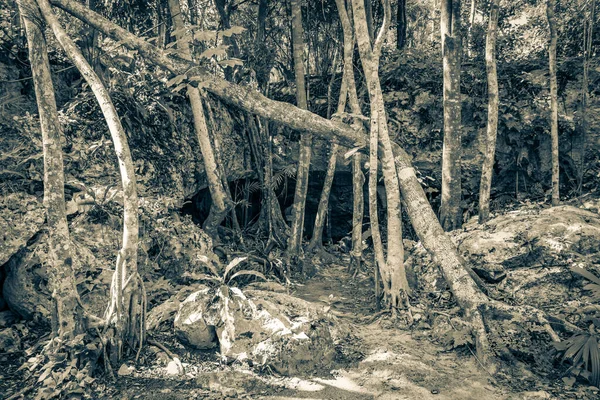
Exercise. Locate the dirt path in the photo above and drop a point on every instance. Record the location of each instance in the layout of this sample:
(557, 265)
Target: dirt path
(395, 364)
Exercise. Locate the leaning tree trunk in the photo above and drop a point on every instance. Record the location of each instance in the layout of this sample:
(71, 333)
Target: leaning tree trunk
(66, 315)
(465, 285)
(450, 207)
(392, 271)
(295, 240)
(550, 7)
(492, 124)
(125, 312)
(220, 204)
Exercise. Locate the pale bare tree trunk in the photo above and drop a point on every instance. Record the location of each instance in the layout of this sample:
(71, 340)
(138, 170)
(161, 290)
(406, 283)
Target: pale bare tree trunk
(450, 207)
(550, 7)
(126, 309)
(492, 124)
(470, 30)
(220, 204)
(295, 240)
(392, 270)
(358, 179)
(66, 315)
(588, 35)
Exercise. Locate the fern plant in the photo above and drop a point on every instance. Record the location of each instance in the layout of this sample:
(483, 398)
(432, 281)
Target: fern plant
(582, 349)
(594, 286)
(219, 276)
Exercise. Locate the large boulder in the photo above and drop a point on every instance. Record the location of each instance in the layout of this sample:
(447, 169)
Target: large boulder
(288, 334)
(190, 326)
(535, 249)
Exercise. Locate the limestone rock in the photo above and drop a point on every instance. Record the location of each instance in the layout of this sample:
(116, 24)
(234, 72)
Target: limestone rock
(286, 333)
(190, 326)
(534, 248)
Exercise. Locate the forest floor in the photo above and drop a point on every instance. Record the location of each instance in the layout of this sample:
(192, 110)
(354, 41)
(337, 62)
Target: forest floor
(380, 361)
(384, 363)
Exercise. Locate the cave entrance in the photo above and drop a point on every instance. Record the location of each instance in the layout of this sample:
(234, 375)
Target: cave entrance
(247, 195)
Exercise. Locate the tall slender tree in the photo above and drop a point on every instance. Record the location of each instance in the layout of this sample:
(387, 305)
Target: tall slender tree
(358, 178)
(492, 123)
(220, 203)
(469, 45)
(126, 310)
(392, 270)
(295, 240)
(588, 35)
(550, 9)
(450, 207)
(66, 315)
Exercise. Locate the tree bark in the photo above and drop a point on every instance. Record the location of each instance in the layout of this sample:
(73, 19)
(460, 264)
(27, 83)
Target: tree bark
(124, 311)
(316, 241)
(66, 315)
(450, 207)
(297, 231)
(358, 178)
(470, 30)
(401, 25)
(550, 7)
(220, 204)
(224, 10)
(492, 124)
(588, 35)
(392, 271)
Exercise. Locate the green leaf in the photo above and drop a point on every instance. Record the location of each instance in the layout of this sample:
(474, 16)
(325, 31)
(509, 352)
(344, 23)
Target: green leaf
(248, 272)
(232, 62)
(236, 261)
(176, 80)
(586, 274)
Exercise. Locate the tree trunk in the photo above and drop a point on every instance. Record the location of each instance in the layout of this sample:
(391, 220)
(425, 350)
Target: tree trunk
(550, 7)
(465, 285)
(450, 207)
(220, 205)
(492, 125)
(295, 240)
(470, 30)
(392, 270)
(316, 241)
(66, 316)
(125, 310)
(588, 35)
(233, 50)
(401, 25)
(358, 178)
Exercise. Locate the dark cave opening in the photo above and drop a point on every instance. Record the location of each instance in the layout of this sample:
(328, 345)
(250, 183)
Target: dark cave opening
(247, 195)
